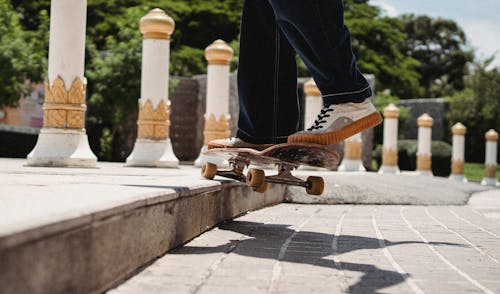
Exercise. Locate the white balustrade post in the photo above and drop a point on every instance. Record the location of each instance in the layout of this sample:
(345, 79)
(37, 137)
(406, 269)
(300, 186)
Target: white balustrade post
(390, 148)
(490, 162)
(352, 154)
(153, 147)
(63, 140)
(424, 155)
(458, 153)
(313, 103)
(218, 56)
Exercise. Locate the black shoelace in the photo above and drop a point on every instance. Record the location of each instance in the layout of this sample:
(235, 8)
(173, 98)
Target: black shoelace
(321, 118)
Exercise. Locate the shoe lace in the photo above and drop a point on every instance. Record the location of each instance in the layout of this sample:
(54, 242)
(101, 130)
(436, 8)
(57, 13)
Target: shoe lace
(321, 118)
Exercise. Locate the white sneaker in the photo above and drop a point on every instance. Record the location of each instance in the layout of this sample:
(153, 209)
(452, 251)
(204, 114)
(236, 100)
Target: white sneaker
(336, 123)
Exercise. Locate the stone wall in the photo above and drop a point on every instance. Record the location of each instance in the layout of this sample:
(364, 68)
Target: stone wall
(437, 108)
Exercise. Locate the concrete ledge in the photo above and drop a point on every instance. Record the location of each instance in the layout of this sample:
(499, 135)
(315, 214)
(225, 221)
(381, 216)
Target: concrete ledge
(84, 230)
(372, 188)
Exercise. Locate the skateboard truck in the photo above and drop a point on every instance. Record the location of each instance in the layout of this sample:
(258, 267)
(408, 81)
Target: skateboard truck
(257, 179)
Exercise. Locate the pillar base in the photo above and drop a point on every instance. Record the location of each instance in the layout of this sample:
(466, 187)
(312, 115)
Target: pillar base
(202, 159)
(458, 178)
(351, 165)
(389, 169)
(62, 148)
(424, 173)
(487, 181)
(152, 153)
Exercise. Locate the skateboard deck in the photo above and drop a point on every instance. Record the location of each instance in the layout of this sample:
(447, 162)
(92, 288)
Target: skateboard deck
(286, 157)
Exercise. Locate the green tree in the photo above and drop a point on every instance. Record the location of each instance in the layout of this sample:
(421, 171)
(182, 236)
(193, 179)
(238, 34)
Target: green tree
(439, 46)
(378, 44)
(477, 107)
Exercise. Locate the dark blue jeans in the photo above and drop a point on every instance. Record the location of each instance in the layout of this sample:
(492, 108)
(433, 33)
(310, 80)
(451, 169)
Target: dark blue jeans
(272, 33)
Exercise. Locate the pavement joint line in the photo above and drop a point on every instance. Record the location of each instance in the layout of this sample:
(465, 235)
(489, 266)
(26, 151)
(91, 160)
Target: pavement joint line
(213, 267)
(277, 267)
(472, 224)
(337, 263)
(461, 237)
(404, 274)
(444, 259)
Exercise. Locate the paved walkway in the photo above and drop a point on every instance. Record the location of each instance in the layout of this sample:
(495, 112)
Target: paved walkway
(293, 248)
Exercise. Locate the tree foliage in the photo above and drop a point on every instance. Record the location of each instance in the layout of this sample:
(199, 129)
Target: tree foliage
(477, 107)
(439, 45)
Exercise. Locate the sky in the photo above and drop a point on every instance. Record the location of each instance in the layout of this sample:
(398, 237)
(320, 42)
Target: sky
(480, 19)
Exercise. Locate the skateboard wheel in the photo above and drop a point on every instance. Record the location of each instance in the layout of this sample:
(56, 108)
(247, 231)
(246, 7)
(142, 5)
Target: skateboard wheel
(255, 178)
(262, 188)
(209, 170)
(315, 185)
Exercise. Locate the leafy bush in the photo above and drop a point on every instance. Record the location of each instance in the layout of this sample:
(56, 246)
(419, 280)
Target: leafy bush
(407, 156)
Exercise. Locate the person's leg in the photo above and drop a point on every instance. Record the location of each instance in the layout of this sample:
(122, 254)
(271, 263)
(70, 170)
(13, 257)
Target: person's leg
(267, 79)
(316, 30)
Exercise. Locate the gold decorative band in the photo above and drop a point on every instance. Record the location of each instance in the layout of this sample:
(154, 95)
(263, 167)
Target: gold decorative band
(62, 108)
(457, 167)
(352, 149)
(218, 62)
(389, 157)
(491, 171)
(424, 162)
(153, 123)
(156, 35)
(216, 129)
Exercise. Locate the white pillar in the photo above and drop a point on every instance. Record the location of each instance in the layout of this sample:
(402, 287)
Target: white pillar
(313, 103)
(352, 154)
(390, 148)
(424, 154)
(218, 56)
(490, 162)
(63, 140)
(458, 153)
(153, 147)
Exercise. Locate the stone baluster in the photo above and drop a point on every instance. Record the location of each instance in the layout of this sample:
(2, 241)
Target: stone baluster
(153, 147)
(490, 162)
(313, 103)
(458, 153)
(63, 140)
(390, 148)
(424, 154)
(352, 154)
(218, 56)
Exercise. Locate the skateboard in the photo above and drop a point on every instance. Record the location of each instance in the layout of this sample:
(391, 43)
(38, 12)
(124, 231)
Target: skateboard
(286, 157)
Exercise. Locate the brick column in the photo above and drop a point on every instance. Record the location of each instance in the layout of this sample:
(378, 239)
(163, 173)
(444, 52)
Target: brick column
(490, 162)
(390, 149)
(424, 161)
(458, 153)
(313, 103)
(218, 56)
(63, 140)
(153, 147)
(352, 154)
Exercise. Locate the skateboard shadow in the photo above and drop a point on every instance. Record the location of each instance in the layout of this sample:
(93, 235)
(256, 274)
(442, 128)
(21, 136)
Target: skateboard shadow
(310, 248)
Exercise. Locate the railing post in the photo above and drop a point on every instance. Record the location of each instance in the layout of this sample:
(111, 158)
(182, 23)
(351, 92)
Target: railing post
(63, 140)
(458, 153)
(153, 147)
(390, 148)
(424, 154)
(490, 162)
(313, 103)
(218, 56)
(352, 154)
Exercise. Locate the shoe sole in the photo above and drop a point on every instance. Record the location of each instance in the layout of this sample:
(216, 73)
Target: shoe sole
(358, 126)
(258, 148)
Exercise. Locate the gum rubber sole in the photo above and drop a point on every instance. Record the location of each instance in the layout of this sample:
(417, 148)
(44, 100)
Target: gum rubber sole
(329, 138)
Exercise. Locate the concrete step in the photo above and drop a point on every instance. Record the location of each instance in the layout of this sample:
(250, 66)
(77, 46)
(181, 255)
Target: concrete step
(65, 230)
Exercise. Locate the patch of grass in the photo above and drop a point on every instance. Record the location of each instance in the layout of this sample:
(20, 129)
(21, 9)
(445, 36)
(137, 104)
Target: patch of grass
(475, 171)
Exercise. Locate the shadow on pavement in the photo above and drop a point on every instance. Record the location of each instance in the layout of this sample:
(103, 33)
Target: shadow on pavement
(308, 248)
